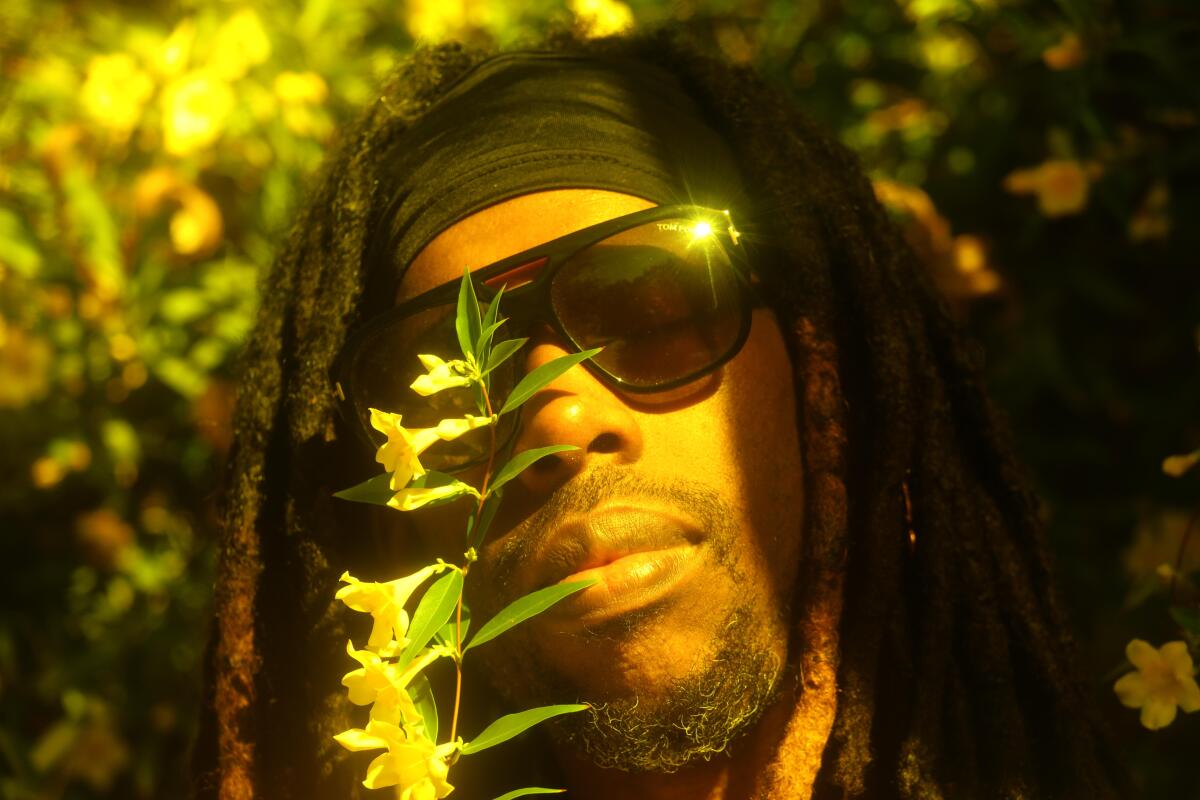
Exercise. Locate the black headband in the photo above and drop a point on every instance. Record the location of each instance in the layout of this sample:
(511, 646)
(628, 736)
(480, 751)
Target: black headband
(528, 121)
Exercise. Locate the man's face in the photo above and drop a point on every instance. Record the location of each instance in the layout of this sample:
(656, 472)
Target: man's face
(687, 507)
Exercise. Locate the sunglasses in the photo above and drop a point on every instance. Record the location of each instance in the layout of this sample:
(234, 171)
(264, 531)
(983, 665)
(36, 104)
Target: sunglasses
(664, 291)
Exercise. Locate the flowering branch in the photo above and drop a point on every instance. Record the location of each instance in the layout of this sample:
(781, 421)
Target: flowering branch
(390, 676)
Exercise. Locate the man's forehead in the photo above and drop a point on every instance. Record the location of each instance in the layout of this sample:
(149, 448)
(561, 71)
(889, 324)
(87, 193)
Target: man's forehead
(509, 227)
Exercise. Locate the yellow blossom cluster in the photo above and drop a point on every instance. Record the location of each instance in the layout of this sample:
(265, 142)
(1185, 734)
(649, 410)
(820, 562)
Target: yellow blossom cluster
(400, 455)
(115, 91)
(412, 762)
(596, 18)
(958, 263)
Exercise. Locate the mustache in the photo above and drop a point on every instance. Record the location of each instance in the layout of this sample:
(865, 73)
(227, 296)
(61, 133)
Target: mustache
(584, 493)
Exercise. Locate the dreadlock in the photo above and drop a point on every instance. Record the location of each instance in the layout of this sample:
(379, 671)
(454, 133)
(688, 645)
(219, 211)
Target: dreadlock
(955, 677)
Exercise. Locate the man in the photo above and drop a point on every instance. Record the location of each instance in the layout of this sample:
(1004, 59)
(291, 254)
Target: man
(820, 574)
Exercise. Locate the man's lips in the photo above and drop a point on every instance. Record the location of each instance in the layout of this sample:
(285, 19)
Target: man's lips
(634, 554)
(609, 534)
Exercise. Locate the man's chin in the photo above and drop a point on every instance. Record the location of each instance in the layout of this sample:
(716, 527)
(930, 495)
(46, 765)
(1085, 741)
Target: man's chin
(660, 729)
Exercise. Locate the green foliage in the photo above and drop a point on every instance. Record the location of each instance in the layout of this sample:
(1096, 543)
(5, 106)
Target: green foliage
(489, 325)
(540, 377)
(423, 699)
(528, 791)
(467, 323)
(478, 525)
(445, 597)
(523, 460)
(511, 725)
(503, 351)
(376, 490)
(436, 606)
(453, 631)
(525, 608)
(151, 162)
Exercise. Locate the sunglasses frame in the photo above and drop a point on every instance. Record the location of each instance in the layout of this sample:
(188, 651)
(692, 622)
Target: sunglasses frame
(534, 304)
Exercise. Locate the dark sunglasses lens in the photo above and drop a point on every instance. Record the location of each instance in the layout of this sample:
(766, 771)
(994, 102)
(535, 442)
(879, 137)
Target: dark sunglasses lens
(382, 374)
(662, 299)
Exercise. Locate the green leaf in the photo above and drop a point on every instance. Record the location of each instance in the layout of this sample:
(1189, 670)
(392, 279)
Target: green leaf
(90, 222)
(422, 695)
(511, 725)
(182, 306)
(525, 607)
(485, 338)
(477, 529)
(529, 790)
(445, 634)
(375, 491)
(434, 609)
(466, 322)
(543, 375)
(489, 325)
(521, 461)
(1186, 618)
(502, 352)
(122, 441)
(20, 252)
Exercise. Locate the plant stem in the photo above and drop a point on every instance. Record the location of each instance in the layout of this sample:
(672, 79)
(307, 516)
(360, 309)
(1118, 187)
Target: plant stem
(487, 475)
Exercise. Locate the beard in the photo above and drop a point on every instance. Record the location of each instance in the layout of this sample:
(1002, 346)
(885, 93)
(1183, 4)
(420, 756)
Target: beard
(730, 682)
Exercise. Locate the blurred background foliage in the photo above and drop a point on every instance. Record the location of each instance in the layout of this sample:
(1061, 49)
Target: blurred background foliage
(1043, 157)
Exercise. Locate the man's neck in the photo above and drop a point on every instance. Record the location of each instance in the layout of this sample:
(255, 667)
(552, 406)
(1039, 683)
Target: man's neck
(750, 770)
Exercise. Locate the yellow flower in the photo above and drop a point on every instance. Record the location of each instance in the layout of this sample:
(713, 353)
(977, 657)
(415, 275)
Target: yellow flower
(25, 363)
(377, 678)
(958, 263)
(1176, 466)
(383, 684)
(601, 17)
(400, 454)
(368, 680)
(197, 226)
(194, 111)
(173, 55)
(411, 499)
(1164, 680)
(115, 91)
(1068, 53)
(413, 764)
(946, 52)
(241, 43)
(304, 88)
(1061, 185)
(384, 602)
(434, 20)
(441, 375)
(105, 537)
(1152, 220)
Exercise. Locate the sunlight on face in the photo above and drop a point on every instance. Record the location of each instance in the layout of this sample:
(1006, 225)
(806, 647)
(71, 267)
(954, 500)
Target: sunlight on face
(687, 509)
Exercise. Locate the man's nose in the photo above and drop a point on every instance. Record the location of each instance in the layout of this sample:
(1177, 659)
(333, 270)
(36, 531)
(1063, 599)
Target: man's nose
(577, 409)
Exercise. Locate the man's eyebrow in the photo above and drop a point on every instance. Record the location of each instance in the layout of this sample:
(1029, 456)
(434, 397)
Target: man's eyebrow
(517, 276)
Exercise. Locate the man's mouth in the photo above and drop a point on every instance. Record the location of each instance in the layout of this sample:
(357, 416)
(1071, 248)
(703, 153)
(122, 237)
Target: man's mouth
(636, 555)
